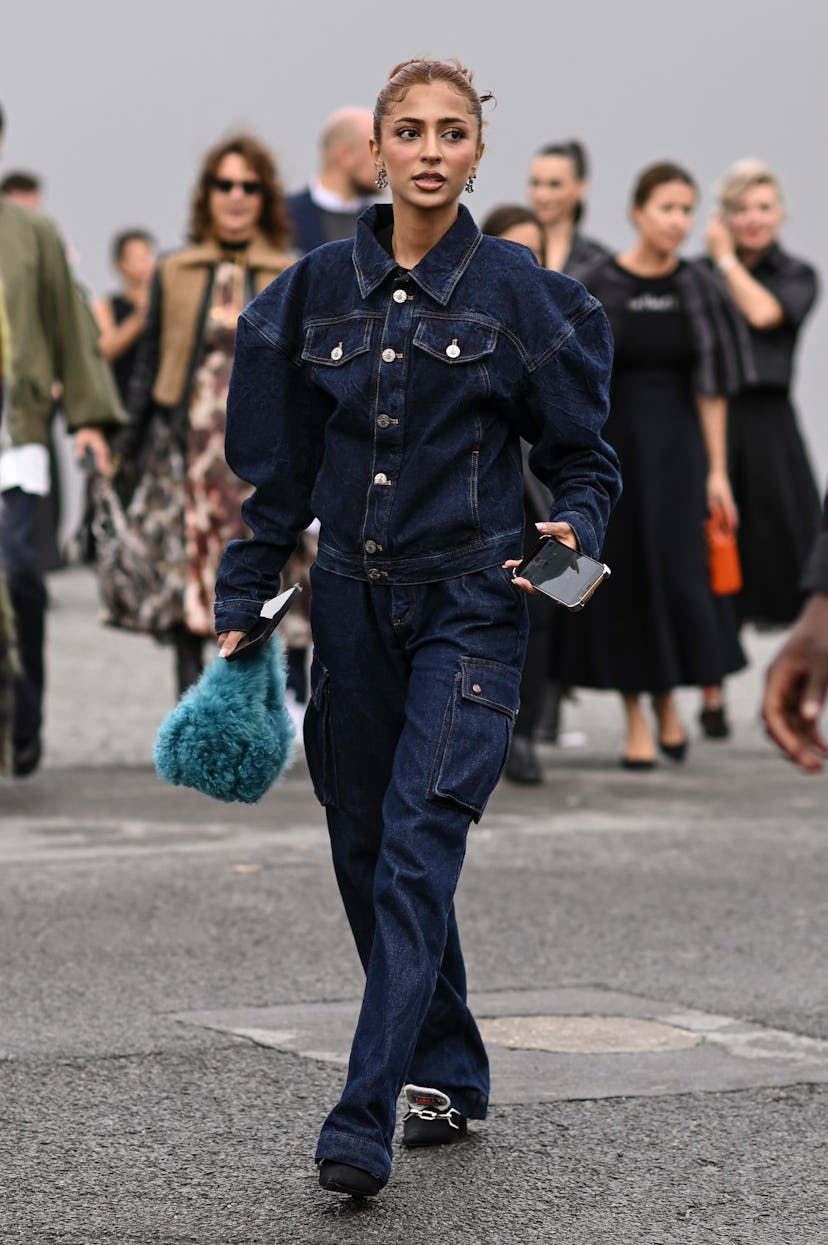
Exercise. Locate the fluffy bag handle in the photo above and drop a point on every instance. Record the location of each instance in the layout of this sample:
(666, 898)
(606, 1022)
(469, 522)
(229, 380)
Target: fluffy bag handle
(230, 736)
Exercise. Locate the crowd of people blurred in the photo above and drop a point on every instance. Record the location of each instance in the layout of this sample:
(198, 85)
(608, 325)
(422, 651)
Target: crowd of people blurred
(701, 419)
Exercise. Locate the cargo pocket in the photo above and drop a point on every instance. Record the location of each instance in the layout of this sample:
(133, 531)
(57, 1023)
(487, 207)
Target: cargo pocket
(318, 737)
(476, 733)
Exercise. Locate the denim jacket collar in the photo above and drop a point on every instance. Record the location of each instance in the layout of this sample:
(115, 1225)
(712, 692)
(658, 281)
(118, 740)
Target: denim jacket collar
(437, 272)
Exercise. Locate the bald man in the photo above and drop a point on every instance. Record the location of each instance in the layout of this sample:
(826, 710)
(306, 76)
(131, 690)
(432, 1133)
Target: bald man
(328, 209)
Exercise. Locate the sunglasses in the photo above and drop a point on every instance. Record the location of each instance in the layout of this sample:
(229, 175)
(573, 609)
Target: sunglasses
(225, 185)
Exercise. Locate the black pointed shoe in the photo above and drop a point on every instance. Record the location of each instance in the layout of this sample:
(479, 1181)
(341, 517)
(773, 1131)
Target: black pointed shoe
(676, 752)
(430, 1120)
(342, 1178)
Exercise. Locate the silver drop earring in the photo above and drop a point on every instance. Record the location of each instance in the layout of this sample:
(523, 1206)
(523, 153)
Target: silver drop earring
(470, 184)
(381, 179)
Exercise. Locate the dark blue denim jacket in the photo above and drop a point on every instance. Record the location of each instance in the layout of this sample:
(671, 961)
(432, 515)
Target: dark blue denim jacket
(389, 405)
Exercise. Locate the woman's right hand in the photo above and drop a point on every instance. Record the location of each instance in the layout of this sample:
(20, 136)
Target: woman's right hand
(720, 495)
(718, 238)
(227, 641)
(562, 532)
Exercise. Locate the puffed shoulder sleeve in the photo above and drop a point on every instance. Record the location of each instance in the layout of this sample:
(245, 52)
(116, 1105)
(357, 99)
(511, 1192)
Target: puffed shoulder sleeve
(723, 360)
(274, 442)
(796, 286)
(566, 403)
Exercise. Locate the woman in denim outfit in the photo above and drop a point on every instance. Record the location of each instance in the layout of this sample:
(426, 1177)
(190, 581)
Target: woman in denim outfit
(382, 386)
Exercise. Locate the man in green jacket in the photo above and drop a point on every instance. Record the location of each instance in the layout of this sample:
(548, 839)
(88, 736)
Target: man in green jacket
(52, 338)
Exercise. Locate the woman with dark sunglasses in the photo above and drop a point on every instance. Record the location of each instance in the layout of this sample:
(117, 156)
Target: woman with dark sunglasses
(173, 463)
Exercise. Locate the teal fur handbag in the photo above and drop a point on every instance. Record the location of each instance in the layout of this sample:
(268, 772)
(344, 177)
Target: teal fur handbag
(230, 736)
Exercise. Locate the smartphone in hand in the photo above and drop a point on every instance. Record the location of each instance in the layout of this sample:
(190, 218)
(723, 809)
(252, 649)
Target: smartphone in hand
(564, 574)
(271, 614)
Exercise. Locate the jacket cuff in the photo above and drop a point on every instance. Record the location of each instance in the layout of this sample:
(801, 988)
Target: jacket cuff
(236, 614)
(584, 531)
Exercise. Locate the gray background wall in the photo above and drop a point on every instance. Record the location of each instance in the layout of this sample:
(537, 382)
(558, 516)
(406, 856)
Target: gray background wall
(114, 103)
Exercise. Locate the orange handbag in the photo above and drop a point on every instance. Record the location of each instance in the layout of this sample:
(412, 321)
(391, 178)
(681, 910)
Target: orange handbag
(722, 554)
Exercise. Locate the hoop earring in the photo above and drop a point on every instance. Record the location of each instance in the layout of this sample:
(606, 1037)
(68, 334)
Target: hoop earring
(470, 184)
(381, 179)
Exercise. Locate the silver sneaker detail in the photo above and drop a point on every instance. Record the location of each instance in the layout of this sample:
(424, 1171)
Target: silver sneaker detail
(430, 1104)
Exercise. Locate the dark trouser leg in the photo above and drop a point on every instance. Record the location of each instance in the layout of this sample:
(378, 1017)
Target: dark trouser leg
(189, 658)
(406, 736)
(297, 679)
(535, 667)
(523, 765)
(27, 593)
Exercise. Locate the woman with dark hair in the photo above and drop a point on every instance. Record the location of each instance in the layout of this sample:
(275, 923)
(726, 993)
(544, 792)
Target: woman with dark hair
(382, 384)
(173, 448)
(656, 625)
(518, 224)
(558, 185)
(122, 315)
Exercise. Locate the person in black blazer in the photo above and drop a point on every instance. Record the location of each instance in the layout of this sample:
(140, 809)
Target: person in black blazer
(558, 186)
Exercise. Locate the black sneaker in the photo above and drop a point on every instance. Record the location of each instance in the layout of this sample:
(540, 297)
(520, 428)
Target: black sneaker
(341, 1178)
(430, 1120)
(25, 757)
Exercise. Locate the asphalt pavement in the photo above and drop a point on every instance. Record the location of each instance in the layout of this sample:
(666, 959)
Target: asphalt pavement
(646, 954)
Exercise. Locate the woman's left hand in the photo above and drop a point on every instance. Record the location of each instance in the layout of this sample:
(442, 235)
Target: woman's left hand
(719, 494)
(227, 641)
(561, 531)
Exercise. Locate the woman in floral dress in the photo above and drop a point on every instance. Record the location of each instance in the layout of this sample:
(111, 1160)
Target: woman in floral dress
(173, 449)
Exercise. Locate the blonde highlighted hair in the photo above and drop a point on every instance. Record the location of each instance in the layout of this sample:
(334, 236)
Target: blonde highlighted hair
(742, 177)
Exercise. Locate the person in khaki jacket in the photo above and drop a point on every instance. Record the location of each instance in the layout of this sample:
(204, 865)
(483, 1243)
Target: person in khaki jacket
(53, 338)
(173, 475)
(7, 654)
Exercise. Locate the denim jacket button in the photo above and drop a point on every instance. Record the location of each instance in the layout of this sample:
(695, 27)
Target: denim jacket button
(370, 546)
(375, 574)
(383, 421)
(336, 353)
(380, 478)
(399, 296)
(476, 688)
(453, 350)
(389, 355)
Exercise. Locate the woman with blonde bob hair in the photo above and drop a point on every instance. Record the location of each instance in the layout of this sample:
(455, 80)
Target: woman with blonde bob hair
(771, 476)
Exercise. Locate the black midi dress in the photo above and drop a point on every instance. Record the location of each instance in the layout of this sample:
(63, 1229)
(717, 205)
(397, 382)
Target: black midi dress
(771, 475)
(655, 624)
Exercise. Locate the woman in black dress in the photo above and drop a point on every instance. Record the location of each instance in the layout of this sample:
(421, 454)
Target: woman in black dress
(773, 482)
(121, 316)
(655, 625)
(558, 184)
